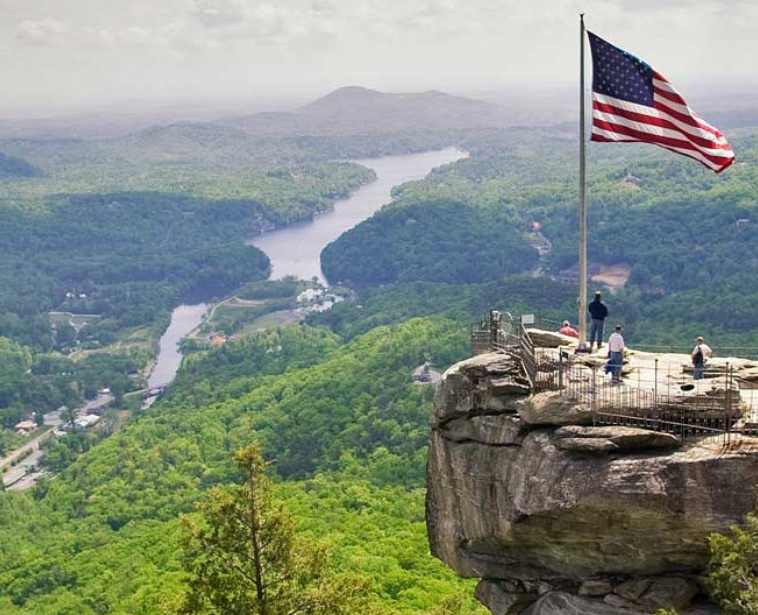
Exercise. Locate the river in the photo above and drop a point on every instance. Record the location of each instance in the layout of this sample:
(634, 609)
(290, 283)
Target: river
(184, 318)
(296, 249)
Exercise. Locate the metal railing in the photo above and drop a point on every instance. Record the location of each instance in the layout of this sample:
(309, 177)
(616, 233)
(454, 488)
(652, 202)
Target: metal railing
(666, 400)
(528, 356)
(654, 397)
(498, 332)
(744, 352)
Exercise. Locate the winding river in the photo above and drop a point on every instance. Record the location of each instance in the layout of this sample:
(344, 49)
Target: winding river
(184, 318)
(296, 249)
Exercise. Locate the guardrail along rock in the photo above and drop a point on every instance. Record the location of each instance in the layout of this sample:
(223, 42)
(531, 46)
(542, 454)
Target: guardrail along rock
(557, 528)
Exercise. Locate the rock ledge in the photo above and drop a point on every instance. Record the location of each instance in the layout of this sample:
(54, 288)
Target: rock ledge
(557, 516)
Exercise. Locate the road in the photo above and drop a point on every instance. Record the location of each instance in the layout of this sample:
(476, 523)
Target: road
(16, 478)
(543, 246)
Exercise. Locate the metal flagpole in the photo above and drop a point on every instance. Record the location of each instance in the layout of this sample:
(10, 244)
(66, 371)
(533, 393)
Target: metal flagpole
(582, 205)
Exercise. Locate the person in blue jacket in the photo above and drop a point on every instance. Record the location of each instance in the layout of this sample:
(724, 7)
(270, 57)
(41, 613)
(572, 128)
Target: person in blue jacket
(599, 312)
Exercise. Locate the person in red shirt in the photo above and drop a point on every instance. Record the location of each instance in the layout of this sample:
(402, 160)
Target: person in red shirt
(567, 329)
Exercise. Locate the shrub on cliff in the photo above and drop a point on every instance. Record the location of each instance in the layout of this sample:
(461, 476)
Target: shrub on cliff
(734, 569)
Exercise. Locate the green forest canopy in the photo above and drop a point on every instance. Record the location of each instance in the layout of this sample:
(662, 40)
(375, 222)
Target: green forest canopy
(344, 424)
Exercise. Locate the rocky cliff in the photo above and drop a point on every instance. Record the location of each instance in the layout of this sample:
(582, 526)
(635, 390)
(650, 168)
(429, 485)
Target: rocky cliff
(557, 516)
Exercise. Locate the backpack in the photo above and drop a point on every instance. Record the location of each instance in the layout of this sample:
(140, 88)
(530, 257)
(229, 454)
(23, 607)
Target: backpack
(697, 358)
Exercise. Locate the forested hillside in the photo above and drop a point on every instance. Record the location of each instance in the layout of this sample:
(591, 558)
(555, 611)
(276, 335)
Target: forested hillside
(133, 253)
(344, 426)
(466, 304)
(122, 260)
(10, 166)
(684, 235)
(439, 240)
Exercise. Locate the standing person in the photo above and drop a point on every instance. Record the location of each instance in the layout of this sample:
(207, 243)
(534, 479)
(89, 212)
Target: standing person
(599, 312)
(616, 349)
(567, 329)
(699, 355)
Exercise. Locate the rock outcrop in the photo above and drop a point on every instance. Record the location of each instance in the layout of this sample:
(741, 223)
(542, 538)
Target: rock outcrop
(557, 516)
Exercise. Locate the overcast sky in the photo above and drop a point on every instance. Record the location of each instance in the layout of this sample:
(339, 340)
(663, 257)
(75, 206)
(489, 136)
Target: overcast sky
(63, 53)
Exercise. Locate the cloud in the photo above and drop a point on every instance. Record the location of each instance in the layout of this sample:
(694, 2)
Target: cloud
(45, 32)
(657, 6)
(214, 14)
(231, 22)
(274, 23)
(179, 37)
(51, 33)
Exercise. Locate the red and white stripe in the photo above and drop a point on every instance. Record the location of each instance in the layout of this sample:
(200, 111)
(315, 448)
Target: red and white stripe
(669, 123)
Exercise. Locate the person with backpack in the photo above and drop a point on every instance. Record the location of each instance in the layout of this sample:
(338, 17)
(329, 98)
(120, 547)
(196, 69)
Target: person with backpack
(599, 312)
(699, 355)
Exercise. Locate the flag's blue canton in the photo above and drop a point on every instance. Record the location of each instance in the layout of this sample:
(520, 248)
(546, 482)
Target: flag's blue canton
(619, 74)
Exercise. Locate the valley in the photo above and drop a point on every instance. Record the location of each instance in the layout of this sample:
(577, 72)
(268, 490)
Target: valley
(203, 254)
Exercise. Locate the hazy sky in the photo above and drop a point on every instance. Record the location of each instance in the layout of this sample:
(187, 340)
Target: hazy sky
(90, 52)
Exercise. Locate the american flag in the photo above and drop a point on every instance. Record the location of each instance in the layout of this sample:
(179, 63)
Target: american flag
(633, 102)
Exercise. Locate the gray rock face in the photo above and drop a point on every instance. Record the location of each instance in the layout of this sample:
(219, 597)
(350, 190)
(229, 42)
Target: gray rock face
(664, 592)
(593, 446)
(610, 439)
(510, 502)
(501, 599)
(552, 408)
(496, 430)
(484, 384)
(561, 603)
(596, 587)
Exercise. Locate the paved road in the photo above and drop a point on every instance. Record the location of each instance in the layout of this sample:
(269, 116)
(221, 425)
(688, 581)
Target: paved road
(51, 422)
(16, 478)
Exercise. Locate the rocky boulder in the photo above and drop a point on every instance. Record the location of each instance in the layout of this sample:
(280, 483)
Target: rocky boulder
(486, 383)
(550, 339)
(485, 429)
(669, 592)
(562, 603)
(613, 438)
(552, 408)
(504, 598)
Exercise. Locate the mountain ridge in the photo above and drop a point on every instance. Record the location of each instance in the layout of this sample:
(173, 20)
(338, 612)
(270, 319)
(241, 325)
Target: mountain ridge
(361, 110)
(13, 166)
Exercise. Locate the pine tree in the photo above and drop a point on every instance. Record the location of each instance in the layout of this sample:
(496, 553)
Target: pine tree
(244, 557)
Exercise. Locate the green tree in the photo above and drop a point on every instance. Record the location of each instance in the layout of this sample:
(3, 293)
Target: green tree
(734, 569)
(244, 557)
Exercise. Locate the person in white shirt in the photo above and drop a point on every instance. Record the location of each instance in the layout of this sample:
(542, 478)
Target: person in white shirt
(616, 353)
(700, 354)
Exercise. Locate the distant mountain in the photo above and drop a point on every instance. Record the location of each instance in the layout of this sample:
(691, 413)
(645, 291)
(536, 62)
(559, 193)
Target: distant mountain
(358, 110)
(183, 142)
(351, 122)
(10, 166)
